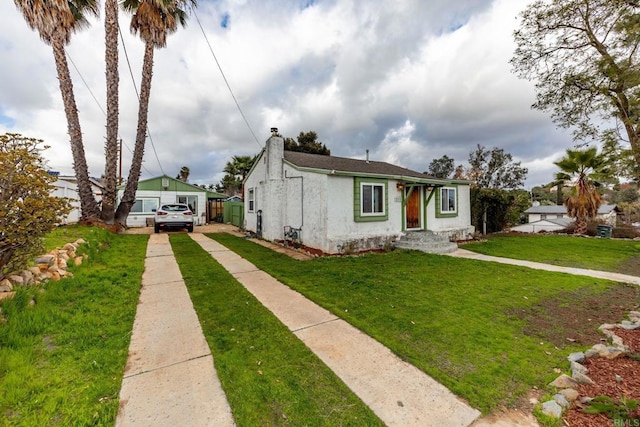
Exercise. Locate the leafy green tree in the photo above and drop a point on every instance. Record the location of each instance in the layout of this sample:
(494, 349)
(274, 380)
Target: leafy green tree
(583, 56)
(442, 167)
(153, 20)
(27, 209)
(493, 168)
(494, 200)
(583, 168)
(307, 143)
(55, 22)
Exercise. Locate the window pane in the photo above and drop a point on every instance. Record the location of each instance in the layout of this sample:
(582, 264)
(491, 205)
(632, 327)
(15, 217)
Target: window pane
(367, 199)
(444, 196)
(137, 206)
(150, 204)
(452, 200)
(378, 199)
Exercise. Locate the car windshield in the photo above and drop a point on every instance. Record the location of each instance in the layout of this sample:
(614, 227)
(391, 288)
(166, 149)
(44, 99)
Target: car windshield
(175, 208)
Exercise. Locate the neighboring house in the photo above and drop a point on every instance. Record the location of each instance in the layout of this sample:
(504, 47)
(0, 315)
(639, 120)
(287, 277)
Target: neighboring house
(607, 214)
(233, 199)
(153, 192)
(543, 225)
(67, 187)
(336, 204)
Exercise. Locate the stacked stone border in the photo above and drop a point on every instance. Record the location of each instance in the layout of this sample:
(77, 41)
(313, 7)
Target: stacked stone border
(567, 385)
(50, 266)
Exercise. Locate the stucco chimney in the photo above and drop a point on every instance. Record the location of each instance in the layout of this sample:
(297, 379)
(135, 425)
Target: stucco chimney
(275, 154)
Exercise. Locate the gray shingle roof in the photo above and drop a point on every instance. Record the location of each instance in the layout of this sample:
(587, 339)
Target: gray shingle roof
(343, 164)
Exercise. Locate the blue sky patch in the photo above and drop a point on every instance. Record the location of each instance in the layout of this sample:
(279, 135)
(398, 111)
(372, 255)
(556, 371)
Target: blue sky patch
(224, 22)
(308, 3)
(6, 120)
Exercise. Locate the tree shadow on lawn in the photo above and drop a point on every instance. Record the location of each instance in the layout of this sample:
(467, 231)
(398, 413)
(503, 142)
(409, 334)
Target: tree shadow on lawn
(574, 316)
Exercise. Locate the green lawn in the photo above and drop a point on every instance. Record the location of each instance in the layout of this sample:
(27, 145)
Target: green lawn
(461, 321)
(621, 256)
(63, 345)
(269, 376)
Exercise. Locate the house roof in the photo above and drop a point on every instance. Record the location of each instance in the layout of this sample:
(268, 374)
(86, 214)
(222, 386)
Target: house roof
(155, 184)
(342, 165)
(561, 209)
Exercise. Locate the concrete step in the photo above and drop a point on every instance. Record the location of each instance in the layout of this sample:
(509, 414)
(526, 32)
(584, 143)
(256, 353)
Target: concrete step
(426, 241)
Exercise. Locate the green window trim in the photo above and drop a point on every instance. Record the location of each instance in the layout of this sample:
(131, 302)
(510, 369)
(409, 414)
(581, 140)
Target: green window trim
(358, 215)
(439, 213)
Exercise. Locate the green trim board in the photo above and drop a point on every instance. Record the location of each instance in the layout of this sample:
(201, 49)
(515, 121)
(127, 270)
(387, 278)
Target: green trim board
(156, 184)
(358, 216)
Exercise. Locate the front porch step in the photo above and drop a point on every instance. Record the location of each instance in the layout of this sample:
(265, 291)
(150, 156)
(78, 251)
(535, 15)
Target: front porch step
(426, 241)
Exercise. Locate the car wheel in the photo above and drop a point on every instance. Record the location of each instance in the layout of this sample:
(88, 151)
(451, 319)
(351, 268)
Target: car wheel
(190, 229)
(156, 228)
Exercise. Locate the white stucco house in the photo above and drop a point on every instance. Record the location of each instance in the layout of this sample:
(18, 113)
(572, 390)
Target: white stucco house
(67, 187)
(607, 214)
(335, 204)
(153, 192)
(543, 225)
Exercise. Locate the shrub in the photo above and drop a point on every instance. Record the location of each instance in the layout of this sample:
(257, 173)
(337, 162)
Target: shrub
(27, 209)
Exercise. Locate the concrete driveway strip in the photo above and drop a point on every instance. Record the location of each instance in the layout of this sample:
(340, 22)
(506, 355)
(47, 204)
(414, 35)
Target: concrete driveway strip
(616, 277)
(397, 392)
(170, 378)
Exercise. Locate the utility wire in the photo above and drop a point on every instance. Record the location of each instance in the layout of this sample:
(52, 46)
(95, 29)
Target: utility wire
(98, 102)
(225, 79)
(126, 55)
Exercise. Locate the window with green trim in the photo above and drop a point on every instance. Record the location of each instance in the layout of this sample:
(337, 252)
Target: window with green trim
(370, 200)
(447, 202)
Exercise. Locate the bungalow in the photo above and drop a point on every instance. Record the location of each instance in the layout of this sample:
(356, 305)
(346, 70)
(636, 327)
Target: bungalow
(153, 192)
(607, 214)
(337, 204)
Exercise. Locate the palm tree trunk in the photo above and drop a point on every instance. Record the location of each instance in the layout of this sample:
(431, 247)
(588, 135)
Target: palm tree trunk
(111, 145)
(581, 226)
(88, 206)
(129, 196)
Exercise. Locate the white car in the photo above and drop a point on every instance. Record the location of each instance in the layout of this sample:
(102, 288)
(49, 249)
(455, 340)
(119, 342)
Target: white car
(174, 215)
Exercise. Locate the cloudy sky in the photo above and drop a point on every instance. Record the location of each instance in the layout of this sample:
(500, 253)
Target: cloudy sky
(410, 80)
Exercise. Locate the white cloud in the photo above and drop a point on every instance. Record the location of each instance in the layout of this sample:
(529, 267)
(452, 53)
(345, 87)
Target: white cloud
(410, 80)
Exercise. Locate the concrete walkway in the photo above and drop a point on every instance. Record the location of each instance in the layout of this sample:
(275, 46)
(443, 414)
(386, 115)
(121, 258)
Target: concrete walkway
(397, 392)
(170, 378)
(617, 277)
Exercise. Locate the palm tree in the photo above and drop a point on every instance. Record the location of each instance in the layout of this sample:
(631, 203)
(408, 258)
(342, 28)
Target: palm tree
(111, 146)
(183, 175)
(55, 21)
(240, 166)
(153, 20)
(582, 168)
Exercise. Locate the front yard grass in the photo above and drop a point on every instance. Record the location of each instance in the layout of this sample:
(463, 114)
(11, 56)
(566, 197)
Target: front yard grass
(488, 332)
(269, 376)
(63, 345)
(620, 256)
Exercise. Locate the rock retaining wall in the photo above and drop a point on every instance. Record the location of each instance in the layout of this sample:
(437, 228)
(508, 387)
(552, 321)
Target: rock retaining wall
(51, 266)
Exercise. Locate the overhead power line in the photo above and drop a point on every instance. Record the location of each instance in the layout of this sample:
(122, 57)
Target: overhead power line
(98, 102)
(126, 55)
(225, 79)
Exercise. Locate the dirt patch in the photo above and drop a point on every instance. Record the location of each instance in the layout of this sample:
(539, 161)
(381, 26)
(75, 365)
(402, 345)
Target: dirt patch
(574, 317)
(631, 266)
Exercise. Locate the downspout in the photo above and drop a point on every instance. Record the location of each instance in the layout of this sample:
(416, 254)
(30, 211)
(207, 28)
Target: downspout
(301, 196)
